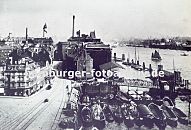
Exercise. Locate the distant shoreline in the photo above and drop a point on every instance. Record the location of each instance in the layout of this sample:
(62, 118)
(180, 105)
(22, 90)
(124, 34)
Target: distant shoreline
(170, 47)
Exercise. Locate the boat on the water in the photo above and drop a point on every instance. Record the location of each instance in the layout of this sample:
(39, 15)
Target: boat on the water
(168, 102)
(108, 114)
(182, 117)
(146, 115)
(127, 115)
(159, 116)
(114, 45)
(98, 116)
(156, 56)
(171, 117)
(86, 116)
(184, 54)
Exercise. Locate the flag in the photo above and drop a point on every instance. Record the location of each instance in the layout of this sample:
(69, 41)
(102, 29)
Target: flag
(44, 28)
(78, 33)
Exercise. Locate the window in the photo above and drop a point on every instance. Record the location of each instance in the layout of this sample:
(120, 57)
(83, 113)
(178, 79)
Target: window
(21, 78)
(13, 75)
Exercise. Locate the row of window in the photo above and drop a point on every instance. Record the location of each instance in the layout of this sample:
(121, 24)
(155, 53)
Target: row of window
(6, 51)
(16, 85)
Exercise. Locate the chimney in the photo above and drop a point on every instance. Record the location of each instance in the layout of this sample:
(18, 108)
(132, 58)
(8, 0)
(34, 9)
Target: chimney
(73, 26)
(26, 34)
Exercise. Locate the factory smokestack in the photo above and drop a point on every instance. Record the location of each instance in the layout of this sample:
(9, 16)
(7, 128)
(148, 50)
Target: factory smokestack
(26, 34)
(73, 26)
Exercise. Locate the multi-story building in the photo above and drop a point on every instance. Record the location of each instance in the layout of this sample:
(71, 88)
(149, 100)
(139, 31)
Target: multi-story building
(1, 80)
(24, 77)
(94, 47)
(4, 53)
(27, 69)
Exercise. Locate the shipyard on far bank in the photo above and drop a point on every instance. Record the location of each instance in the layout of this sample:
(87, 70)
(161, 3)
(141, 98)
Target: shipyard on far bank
(173, 43)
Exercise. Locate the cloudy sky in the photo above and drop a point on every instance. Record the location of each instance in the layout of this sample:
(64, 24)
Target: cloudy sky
(112, 19)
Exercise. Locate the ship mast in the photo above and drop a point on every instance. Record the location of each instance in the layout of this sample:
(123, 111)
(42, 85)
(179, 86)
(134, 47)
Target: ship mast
(135, 55)
(173, 65)
(138, 55)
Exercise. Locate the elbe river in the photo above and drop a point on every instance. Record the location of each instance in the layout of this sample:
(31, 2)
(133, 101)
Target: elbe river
(171, 59)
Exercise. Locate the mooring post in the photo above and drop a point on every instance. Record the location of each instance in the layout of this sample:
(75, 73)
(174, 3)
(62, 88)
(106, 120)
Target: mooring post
(115, 57)
(143, 65)
(123, 57)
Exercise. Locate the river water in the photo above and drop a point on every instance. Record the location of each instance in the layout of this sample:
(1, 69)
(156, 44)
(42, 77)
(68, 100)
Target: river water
(181, 63)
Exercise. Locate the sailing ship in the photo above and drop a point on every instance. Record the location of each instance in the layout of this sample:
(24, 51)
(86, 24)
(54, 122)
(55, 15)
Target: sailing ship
(136, 65)
(156, 56)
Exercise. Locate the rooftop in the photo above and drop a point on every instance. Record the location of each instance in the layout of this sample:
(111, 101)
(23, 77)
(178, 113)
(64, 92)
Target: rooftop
(110, 65)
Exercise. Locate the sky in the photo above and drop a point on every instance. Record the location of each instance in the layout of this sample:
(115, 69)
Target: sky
(111, 19)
